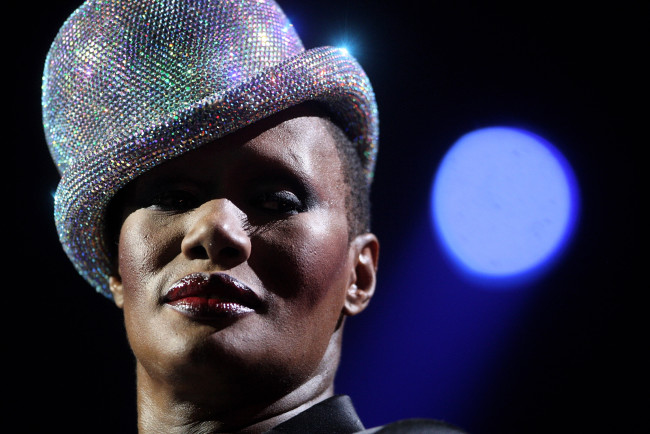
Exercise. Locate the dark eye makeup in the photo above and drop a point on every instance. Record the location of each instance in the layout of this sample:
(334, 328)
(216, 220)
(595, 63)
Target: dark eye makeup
(270, 192)
(173, 200)
(281, 202)
(270, 199)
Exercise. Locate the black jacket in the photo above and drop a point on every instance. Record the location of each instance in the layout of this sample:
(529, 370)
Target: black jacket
(336, 415)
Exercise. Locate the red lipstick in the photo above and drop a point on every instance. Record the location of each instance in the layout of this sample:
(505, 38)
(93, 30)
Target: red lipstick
(205, 296)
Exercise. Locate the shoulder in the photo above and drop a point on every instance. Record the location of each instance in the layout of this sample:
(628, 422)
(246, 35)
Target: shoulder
(424, 426)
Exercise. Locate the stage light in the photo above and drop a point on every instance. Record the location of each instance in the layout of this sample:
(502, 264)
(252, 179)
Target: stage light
(504, 202)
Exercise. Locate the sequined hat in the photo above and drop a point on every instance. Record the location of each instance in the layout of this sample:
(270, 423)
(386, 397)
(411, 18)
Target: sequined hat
(129, 84)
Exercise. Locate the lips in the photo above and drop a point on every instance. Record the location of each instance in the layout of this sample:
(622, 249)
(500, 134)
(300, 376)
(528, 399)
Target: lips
(211, 296)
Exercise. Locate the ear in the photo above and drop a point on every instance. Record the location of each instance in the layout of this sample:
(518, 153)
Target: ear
(117, 289)
(365, 248)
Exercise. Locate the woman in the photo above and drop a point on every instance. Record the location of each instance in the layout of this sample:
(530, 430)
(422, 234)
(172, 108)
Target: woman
(215, 180)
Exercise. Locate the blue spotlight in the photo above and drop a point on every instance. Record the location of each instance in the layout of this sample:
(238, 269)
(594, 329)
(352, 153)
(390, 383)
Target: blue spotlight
(504, 202)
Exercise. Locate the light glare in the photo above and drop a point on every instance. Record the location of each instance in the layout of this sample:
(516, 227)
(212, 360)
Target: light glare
(503, 202)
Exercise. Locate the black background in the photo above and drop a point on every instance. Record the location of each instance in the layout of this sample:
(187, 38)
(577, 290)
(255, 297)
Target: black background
(570, 73)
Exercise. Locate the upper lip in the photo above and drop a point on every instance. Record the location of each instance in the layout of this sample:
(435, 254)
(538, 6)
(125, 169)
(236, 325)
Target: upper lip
(213, 285)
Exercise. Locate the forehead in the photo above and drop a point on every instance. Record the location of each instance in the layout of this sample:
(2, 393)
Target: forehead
(296, 142)
(302, 142)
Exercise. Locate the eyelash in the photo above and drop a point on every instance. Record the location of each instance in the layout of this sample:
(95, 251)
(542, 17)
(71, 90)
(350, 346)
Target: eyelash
(282, 202)
(276, 202)
(174, 200)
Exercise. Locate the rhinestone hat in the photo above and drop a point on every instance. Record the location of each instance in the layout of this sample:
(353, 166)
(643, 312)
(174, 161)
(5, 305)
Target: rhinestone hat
(129, 84)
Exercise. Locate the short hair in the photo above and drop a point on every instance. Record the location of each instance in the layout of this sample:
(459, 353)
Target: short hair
(357, 198)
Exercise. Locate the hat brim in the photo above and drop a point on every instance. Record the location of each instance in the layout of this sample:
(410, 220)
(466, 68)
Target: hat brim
(327, 75)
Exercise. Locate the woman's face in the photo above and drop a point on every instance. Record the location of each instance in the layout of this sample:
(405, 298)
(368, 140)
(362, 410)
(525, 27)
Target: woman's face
(235, 265)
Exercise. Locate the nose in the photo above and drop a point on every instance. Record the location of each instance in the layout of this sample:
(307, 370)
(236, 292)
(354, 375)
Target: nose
(216, 233)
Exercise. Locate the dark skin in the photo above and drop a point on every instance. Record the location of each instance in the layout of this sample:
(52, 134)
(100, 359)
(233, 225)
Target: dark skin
(266, 206)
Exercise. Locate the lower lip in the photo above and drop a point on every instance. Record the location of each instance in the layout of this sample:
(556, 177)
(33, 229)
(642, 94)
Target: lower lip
(208, 308)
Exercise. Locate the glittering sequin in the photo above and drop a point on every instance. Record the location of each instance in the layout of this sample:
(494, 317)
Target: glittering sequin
(129, 84)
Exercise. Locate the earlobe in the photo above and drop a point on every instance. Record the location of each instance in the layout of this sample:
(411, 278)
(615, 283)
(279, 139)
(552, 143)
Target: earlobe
(117, 289)
(365, 249)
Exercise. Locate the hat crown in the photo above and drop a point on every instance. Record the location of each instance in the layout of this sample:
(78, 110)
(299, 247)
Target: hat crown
(117, 67)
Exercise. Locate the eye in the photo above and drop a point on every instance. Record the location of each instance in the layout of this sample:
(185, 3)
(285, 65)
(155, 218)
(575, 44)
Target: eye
(281, 202)
(174, 200)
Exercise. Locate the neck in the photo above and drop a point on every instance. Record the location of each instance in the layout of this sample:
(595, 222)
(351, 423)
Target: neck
(165, 413)
(161, 408)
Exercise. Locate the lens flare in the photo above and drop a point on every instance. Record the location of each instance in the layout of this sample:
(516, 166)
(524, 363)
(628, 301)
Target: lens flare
(504, 202)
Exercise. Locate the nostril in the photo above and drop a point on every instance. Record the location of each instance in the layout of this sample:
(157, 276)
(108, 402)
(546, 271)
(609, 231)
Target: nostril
(230, 252)
(226, 253)
(198, 252)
